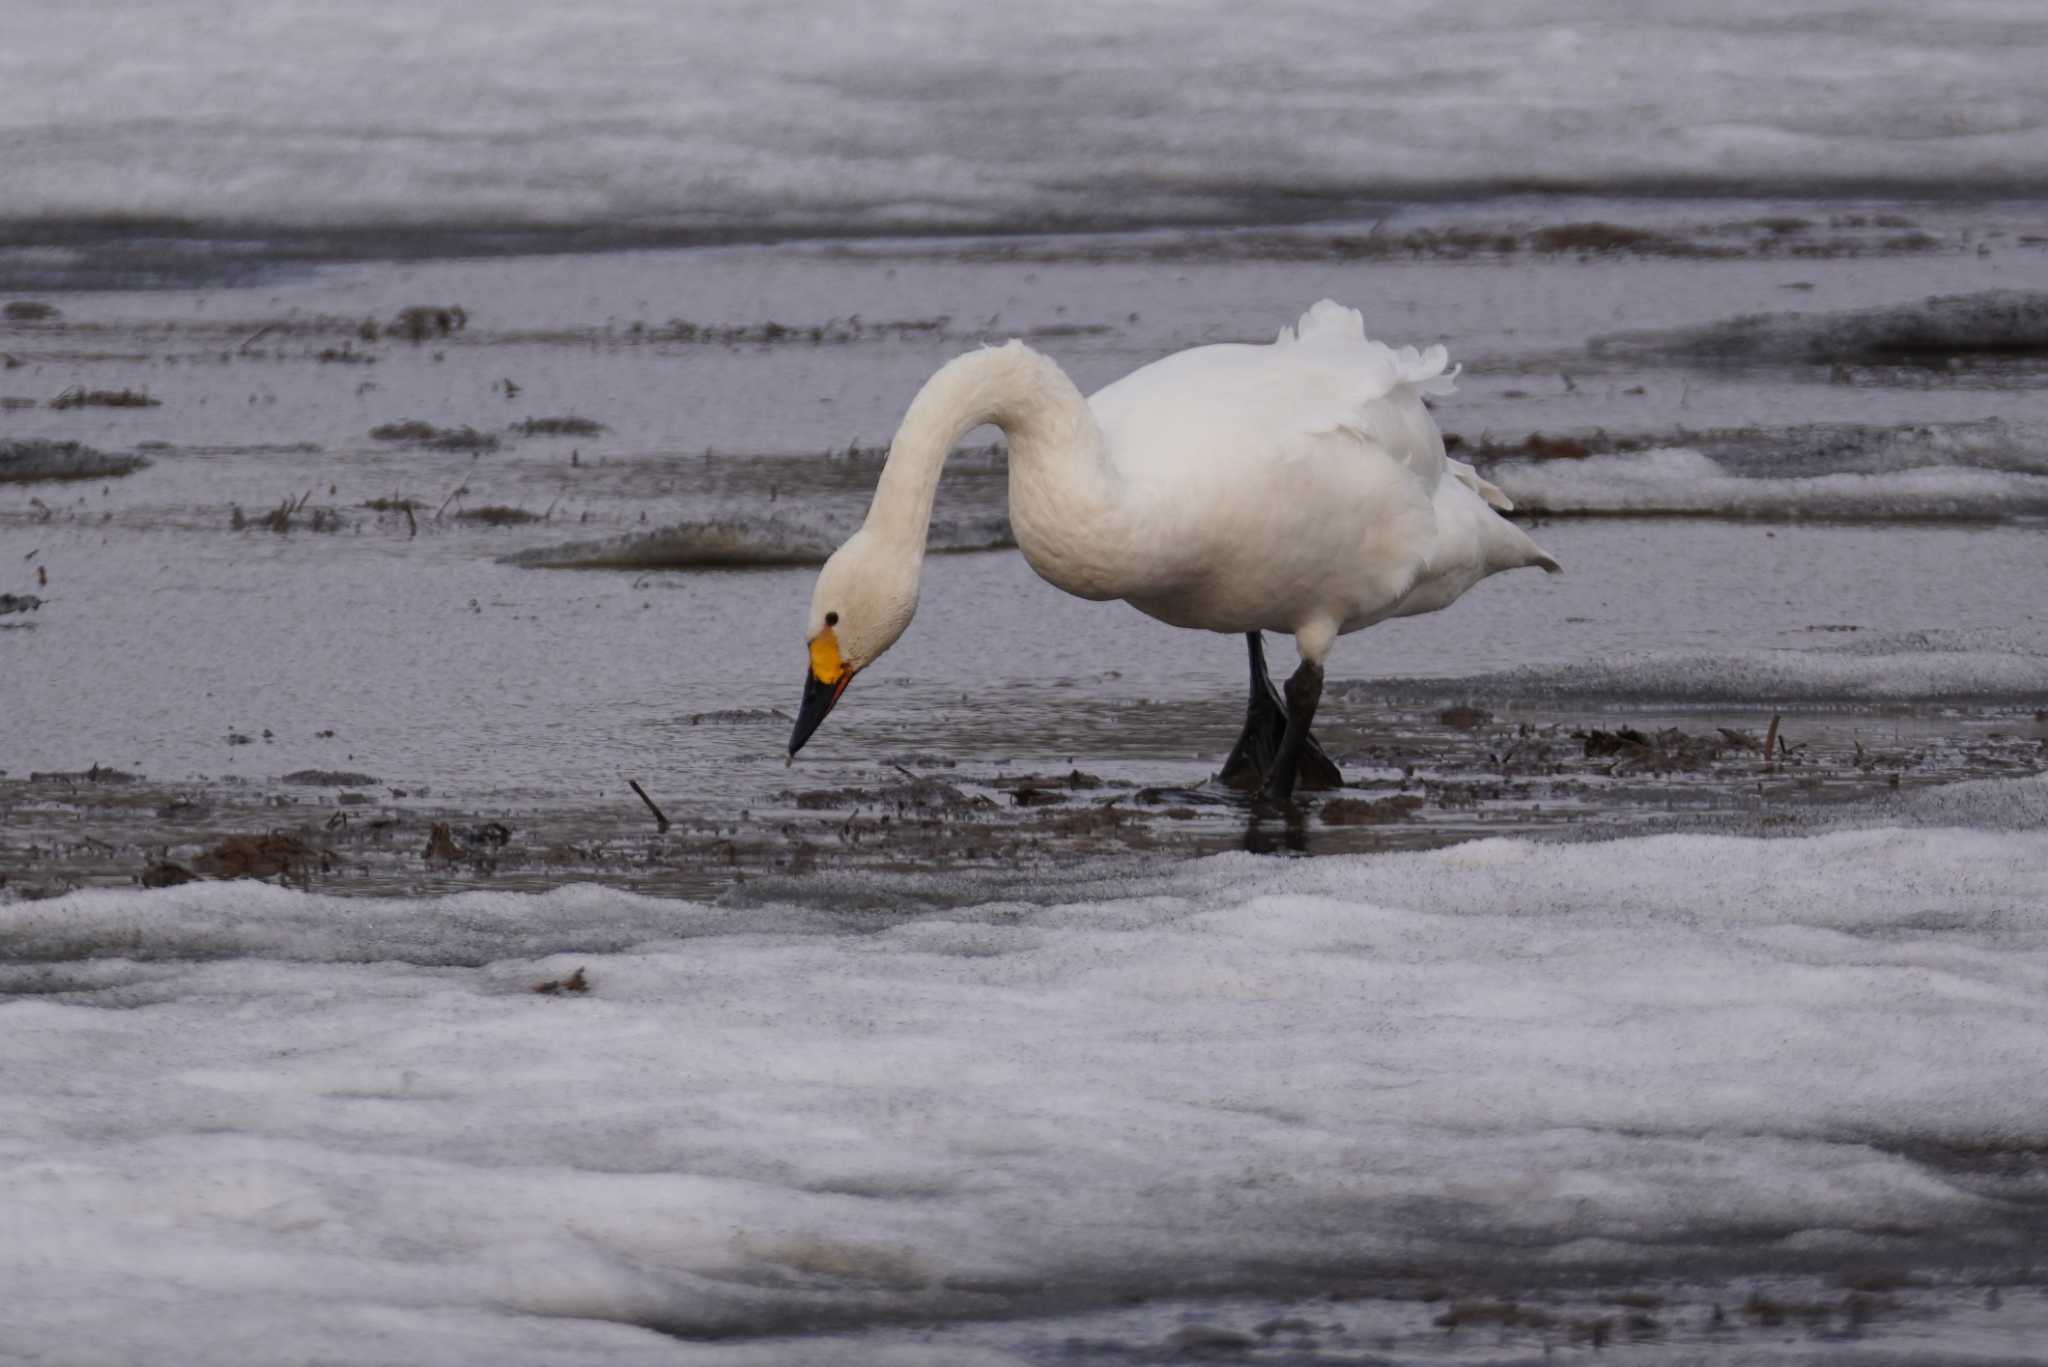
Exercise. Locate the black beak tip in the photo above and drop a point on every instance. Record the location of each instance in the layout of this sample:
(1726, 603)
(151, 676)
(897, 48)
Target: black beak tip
(818, 699)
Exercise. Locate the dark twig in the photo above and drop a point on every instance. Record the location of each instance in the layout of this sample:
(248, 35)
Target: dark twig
(259, 332)
(660, 821)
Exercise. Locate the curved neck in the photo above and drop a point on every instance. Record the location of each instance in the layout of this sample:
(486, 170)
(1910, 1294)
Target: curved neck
(1056, 449)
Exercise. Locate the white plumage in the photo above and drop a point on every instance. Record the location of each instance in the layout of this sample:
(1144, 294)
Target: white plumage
(1300, 486)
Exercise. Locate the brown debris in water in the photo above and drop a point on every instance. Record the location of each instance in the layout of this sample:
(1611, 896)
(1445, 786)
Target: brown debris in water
(261, 856)
(441, 847)
(79, 397)
(497, 515)
(831, 331)
(29, 311)
(1672, 749)
(558, 427)
(1535, 446)
(1352, 811)
(96, 774)
(328, 778)
(287, 514)
(555, 987)
(414, 432)
(164, 874)
(1596, 237)
(34, 459)
(422, 321)
(1504, 1314)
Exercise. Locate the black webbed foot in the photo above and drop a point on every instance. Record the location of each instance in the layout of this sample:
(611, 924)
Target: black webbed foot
(1252, 760)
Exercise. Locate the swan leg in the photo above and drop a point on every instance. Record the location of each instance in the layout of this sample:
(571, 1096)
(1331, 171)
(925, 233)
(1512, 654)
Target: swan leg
(1304, 692)
(1265, 728)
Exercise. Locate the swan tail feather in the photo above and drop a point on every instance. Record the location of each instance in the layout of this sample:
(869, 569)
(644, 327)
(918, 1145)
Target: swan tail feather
(1426, 371)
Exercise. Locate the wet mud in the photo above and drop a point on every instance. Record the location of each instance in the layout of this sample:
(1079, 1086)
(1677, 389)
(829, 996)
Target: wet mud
(1415, 779)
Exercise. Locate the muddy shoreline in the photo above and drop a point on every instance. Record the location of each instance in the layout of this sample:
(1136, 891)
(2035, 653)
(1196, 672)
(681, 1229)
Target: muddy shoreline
(1416, 778)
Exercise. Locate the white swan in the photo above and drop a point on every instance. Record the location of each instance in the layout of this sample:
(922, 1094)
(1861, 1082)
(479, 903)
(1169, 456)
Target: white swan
(1298, 487)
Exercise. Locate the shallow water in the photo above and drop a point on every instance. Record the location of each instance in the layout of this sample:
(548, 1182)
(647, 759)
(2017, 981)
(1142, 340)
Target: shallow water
(1912, 573)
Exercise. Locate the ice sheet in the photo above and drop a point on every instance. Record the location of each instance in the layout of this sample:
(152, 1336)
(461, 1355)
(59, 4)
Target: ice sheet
(739, 117)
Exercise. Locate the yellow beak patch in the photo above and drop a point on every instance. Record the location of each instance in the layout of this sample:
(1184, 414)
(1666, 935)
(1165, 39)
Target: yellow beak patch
(826, 666)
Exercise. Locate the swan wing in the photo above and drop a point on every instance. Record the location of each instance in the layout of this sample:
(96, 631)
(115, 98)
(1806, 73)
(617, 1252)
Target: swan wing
(1282, 483)
(1242, 404)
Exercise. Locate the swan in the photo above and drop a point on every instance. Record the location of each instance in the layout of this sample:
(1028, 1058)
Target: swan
(1298, 487)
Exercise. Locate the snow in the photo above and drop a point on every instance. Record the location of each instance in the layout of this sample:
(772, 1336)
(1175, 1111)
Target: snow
(255, 1125)
(319, 114)
(1677, 480)
(1974, 664)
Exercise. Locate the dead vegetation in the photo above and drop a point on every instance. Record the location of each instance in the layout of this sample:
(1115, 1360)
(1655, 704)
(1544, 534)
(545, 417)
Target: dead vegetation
(1353, 811)
(329, 778)
(276, 855)
(421, 322)
(441, 847)
(555, 987)
(35, 460)
(1596, 237)
(1673, 750)
(1537, 446)
(289, 513)
(1502, 1314)
(497, 515)
(1769, 238)
(162, 873)
(558, 427)
(833, 331)
(98, 773)
(414, 432)
(79, 397)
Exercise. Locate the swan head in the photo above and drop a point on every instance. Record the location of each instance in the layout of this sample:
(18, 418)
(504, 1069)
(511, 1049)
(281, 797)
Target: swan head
(863, 602)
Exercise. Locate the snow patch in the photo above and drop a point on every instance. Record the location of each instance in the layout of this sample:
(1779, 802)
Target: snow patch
(1681, 481)
(247, 1124)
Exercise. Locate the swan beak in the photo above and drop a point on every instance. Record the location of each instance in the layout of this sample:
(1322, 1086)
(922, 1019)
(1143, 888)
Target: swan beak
(818, 699)
(828, 677)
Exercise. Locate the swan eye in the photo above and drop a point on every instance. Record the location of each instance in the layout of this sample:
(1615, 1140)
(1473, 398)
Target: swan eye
(831, 619)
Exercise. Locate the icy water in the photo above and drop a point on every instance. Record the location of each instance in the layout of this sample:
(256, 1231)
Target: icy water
(975, 1036)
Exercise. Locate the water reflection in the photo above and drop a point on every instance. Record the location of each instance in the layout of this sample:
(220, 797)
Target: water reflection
(1283, 832)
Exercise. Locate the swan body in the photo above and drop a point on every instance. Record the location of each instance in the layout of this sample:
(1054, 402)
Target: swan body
(1299, 486)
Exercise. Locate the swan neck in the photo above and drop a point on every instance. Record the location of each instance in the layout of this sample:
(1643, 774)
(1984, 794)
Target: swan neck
(1043, 415)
